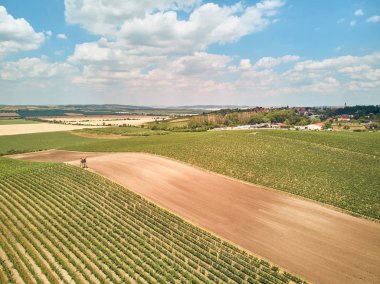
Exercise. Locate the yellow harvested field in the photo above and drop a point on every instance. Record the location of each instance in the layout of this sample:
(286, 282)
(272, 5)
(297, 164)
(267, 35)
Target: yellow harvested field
(15, 129)
(107, 120)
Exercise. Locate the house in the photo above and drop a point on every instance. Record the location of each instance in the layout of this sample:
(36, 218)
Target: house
(242, 127)
(278, 125)
(301, 111)
(344, 117)
(315, 126)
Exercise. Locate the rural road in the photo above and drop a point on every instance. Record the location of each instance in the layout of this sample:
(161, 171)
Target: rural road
(311, 240)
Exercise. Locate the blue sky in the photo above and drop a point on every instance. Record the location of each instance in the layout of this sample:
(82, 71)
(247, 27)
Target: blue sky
(178, 52)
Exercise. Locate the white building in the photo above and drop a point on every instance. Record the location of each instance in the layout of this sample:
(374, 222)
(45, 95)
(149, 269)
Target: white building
(315, 126)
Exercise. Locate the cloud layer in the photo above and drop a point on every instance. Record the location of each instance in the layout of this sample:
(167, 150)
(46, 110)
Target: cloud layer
(157, 52)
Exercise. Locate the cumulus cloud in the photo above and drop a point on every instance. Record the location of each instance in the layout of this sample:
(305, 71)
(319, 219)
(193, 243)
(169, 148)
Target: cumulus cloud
(200, 76)
(105, 17)
(35, 68)
(353, 23)
(61, 36)
(153, 27)
(359, 12)
(245, 64)
(159, 38)
(205, 74)
(208, 24)
(344, 73)
(200, 64)
(269, 62)
(17, 34)
(337, 62)
(373, 19)
(157, 51)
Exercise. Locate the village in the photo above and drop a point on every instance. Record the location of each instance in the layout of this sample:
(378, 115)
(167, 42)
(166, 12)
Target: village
(304, 119)
(314, 127)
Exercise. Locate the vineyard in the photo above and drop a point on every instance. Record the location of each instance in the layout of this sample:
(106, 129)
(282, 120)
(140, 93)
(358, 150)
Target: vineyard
(61, 224)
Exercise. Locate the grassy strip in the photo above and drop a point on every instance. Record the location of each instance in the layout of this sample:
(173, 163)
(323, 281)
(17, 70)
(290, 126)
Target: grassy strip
(122, 130)
(17, 121)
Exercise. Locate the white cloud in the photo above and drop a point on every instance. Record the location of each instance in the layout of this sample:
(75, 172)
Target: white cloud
(269, 62)
(245, 64)
(17, 34)
(344, 74)
(106, 17)
(200, 63)
(339, 48)
(61, 36)
(373, 19)
(354, 69)
(147, 53)
(359, 12)
(123, 77)
(161, 39)
(337, 62)
(353, 23)
(208, 24)
(111, 55)
(36, 68)
(145, 28)
(204, 74)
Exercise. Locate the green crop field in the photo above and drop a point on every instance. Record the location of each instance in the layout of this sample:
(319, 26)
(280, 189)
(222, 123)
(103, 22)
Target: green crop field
(11, 144)
(340, 169)
(62, 224)
(16, 121)
(363, 142)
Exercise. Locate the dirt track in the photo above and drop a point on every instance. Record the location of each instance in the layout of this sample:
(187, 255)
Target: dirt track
(316, 242)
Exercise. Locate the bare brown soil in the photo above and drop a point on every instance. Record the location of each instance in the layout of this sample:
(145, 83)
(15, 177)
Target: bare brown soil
(314, 241)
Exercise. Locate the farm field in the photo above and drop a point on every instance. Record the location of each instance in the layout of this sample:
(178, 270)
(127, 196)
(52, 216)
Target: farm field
(17, 121)
(109, 120)
(68, 225)
(15, 129)
(337, 170)
(309, 239)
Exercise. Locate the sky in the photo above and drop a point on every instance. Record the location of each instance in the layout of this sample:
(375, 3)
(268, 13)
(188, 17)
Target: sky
(190, 52)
